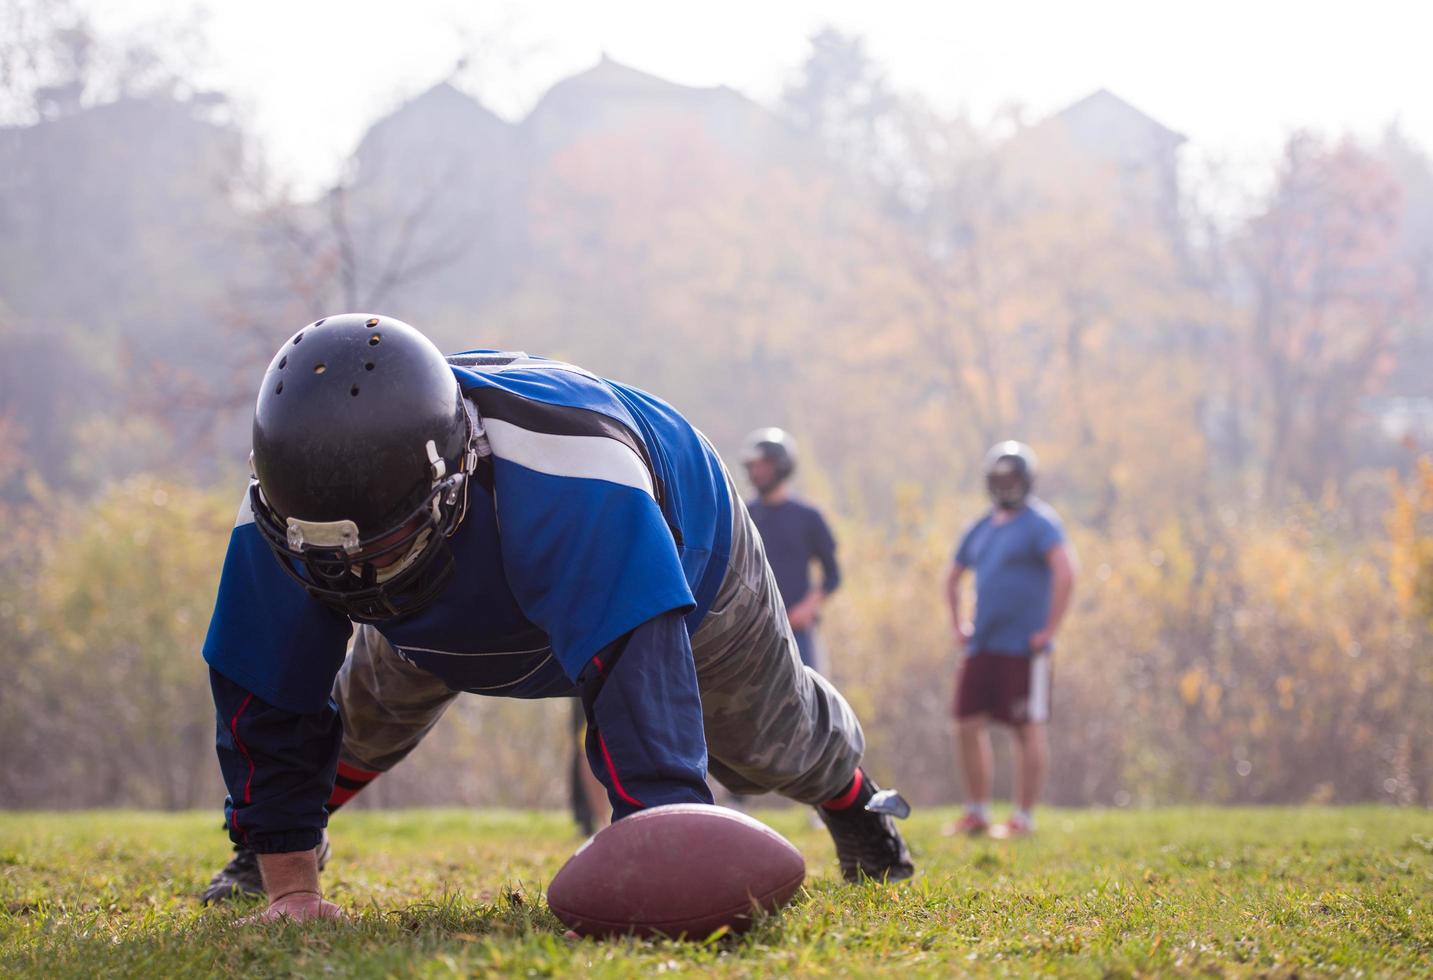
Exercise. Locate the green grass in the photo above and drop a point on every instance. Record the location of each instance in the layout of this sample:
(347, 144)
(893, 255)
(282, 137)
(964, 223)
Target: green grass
(437, 893)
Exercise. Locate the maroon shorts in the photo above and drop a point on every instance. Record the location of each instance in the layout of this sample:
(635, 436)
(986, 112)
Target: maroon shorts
(1014, 689)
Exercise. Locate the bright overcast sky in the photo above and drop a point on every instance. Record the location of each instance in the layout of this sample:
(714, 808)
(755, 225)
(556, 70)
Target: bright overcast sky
(1232, 75)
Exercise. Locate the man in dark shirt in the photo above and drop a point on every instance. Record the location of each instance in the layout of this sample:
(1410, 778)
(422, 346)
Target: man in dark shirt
(794, 534)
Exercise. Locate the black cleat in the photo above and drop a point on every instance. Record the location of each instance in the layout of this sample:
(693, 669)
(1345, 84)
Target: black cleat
(240, 877)
(868, 845)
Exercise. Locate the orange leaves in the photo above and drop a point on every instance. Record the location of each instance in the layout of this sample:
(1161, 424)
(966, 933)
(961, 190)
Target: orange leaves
(1191, 682)
(1285, 686)
(1410, 532)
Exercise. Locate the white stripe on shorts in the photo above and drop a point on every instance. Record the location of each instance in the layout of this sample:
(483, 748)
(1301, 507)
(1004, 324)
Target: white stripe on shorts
(1040, 687)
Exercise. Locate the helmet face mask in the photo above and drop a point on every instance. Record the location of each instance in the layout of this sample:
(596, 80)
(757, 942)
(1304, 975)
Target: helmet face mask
(371, 488)
(352, 582)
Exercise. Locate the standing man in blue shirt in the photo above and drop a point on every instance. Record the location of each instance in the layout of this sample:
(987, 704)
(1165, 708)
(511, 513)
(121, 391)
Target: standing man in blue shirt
(505, 525)
(795, 535)
(1023, 579)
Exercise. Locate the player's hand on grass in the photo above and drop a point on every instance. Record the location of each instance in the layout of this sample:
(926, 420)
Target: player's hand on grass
(295, 907)
(291, 878)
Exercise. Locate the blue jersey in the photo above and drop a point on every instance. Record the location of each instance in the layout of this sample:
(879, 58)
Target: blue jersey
(613, 509)
(1012, 576)
(603, 510)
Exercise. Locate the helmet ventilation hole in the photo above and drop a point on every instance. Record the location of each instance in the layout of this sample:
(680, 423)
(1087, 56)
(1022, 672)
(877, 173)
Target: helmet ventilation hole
(298, 336)
(320, 368)
(368, 366)
(279, 389)
(283, 361)
(321, 322)
(373, 322)
(353, 391)
(373, 340)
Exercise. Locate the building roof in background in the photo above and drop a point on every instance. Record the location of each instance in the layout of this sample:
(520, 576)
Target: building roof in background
(1103, 110)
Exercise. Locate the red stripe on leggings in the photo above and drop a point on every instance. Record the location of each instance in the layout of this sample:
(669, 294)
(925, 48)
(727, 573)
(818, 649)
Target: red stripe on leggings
(352, 772)
(244, 751)
(612, 771)
(847, 798)
(341, 795)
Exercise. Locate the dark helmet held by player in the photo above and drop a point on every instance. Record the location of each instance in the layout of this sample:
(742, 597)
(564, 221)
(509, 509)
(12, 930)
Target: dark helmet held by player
(776, 447)
(363, 445)
(1010, 473)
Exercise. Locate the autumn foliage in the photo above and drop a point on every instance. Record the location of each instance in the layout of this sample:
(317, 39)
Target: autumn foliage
(1208, 390)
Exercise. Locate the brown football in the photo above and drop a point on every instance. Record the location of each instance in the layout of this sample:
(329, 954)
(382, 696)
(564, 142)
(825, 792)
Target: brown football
(679, 871)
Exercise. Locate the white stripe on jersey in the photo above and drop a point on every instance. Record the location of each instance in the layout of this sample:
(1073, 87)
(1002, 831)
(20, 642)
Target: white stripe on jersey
(586, 457)
(1040, 687)
(522, 362)
(407, 648)
(512, 683)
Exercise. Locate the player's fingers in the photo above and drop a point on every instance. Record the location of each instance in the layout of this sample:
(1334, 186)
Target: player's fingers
(294, 913)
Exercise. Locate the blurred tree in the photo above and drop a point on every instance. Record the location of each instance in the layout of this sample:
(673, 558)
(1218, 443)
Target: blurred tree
(45, 53)
(53, 62)
(841, 98)
(109, 698)
(1330, 287)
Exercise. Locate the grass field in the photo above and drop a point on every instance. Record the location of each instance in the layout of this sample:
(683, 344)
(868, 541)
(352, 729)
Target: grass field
(1279, 892)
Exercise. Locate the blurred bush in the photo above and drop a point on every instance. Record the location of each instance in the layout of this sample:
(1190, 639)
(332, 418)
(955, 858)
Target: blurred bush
(1229, 660)
(107, 702)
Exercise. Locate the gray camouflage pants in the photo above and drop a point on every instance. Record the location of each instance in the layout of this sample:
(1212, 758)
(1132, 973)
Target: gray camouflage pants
(772, 724)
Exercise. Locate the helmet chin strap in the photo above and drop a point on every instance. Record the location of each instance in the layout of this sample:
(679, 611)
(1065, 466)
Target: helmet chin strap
(388, 572)
(415, 550)
(476, 448)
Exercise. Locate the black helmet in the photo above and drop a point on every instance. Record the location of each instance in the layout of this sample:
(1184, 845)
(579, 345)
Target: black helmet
(775, 445)
(1009, 473)
(363, 444)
